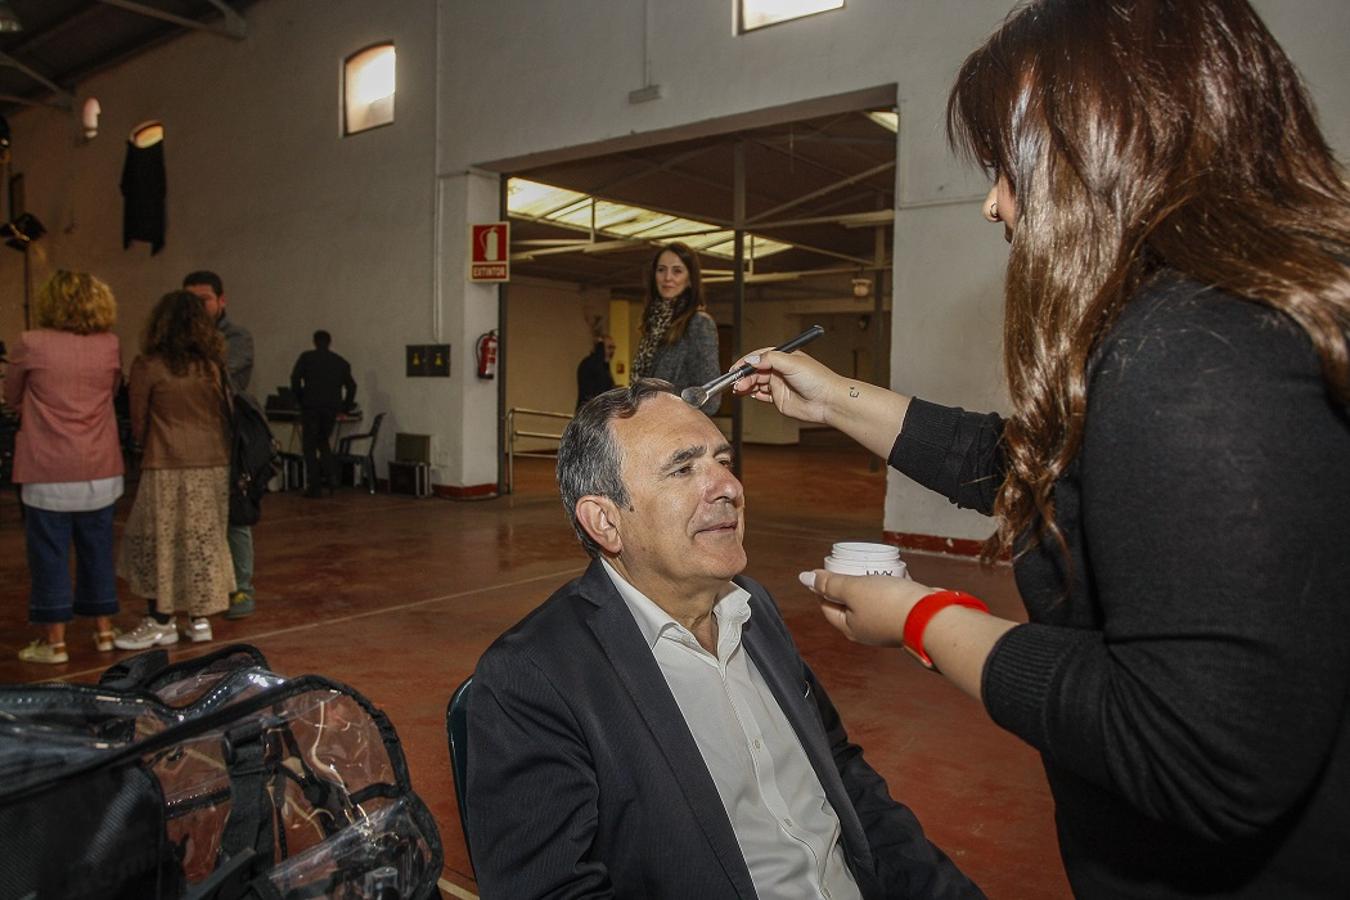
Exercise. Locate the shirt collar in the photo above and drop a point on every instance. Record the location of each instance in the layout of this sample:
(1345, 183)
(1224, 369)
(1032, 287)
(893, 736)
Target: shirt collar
(732, 608)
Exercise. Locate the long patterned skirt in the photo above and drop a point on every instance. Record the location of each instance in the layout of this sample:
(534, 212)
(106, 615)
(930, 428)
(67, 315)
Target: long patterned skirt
(174, 549)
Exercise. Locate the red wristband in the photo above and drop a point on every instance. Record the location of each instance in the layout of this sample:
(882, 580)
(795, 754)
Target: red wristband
(922, 613)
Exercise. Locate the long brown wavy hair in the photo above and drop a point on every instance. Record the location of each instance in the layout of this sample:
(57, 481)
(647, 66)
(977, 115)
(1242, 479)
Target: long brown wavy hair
(1137, 136)
(688, 303)
(182, 334)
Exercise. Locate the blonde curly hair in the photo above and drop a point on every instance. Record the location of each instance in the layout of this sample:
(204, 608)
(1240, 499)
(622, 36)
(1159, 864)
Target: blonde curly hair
(76, 302)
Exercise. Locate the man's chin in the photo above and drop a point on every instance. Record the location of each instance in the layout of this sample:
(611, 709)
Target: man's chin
(729, 566)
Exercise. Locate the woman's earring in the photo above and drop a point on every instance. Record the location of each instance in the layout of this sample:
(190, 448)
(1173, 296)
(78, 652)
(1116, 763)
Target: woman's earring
(993, 210)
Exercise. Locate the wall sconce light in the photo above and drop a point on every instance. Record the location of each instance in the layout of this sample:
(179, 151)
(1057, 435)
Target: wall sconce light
(89, 113)
(862, 288)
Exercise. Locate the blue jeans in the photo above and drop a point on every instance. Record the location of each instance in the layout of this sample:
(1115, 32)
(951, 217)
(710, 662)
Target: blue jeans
(240, 539)
(94, 592)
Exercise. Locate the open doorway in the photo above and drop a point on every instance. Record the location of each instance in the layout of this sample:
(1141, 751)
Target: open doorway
(817, 211)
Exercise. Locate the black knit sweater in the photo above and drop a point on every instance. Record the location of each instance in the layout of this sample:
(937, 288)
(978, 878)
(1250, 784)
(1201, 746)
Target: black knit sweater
(1186, 676)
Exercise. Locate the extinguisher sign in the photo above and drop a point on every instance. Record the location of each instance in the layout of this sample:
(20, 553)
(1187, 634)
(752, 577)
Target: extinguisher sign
(489, 252)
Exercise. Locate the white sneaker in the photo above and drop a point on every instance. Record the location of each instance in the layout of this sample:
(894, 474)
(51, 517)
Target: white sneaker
(147, 634)
(198, 630)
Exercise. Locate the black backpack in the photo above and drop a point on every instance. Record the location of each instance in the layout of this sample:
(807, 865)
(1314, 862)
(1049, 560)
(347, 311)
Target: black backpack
(213, 778)
(255, 458)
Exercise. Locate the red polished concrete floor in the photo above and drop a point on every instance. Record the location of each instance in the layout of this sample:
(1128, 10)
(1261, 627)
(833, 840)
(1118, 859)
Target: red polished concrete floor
(398, 597)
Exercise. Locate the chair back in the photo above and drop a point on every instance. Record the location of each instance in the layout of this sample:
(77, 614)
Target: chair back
(375, 431)
(457, 731)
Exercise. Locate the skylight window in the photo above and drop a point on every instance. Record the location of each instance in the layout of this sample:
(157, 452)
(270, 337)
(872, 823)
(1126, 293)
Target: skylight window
(368, 89)
(753, 14)
(570, 209)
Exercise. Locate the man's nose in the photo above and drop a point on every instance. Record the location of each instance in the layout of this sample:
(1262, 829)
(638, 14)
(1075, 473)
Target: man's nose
(724, 485)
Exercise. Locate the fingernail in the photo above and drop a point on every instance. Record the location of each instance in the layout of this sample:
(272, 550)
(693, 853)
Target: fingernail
(753, 359)
(808, 579)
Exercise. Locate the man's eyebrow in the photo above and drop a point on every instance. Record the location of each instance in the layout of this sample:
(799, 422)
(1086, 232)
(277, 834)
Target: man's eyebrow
(680, 457)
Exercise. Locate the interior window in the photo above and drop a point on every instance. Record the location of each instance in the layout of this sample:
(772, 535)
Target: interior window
(368, 89)
(752, 14)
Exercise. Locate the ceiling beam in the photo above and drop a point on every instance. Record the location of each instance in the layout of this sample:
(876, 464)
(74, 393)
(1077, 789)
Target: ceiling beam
(65, 99)
(879, 97)
(848, 220)
(815, 163)
(29, 101)
(234, 26)
(75, 20)
(820, 192)
(770, 277)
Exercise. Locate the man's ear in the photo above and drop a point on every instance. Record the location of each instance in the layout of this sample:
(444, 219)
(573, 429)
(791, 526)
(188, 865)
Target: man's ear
(599, 517)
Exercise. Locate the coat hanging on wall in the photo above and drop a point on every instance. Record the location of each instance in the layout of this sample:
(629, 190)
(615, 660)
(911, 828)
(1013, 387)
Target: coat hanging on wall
(143, 187)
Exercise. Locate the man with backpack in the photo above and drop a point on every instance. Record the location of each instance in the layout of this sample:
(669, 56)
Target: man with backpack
(239, 365)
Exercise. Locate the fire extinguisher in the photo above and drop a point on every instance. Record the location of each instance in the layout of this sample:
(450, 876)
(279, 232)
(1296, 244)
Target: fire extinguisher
(486, 353)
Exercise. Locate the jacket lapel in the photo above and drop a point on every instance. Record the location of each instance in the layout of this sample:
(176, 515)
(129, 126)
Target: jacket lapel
(639, 673)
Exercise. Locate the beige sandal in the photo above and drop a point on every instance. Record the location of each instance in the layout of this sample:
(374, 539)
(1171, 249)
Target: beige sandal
(43, 652)
(103, 640)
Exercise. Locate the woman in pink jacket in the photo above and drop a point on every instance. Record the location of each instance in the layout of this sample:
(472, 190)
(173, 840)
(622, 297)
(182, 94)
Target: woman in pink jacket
(62, 378)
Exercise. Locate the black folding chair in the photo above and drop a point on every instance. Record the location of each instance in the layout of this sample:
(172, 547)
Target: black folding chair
(345, 456)
(457, 731)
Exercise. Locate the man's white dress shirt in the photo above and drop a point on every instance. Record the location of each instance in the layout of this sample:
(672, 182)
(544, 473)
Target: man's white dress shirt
(787, 829)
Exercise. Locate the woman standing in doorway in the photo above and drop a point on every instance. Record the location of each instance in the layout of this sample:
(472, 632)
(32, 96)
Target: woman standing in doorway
(62, 379)
(1171, 481)
(174, 551)
(679, 337)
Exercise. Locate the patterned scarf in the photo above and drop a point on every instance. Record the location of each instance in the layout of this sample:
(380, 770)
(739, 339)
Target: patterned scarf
(653, 336)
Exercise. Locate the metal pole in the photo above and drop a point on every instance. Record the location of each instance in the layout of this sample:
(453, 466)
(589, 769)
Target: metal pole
(880, 344)
(510, 451)
(504, 480)
(738, 299)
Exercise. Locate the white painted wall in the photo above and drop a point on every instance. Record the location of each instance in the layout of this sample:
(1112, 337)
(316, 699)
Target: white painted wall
(366, 235)
(307, 228)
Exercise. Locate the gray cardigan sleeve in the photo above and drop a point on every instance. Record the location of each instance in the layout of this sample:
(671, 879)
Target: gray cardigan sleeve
(700, 362)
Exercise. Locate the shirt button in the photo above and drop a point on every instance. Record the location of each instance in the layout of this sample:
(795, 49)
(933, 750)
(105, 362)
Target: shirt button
(788, 822)
(757, 744)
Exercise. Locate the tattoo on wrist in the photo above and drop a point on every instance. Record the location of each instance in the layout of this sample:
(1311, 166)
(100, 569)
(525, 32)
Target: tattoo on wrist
(853, 391)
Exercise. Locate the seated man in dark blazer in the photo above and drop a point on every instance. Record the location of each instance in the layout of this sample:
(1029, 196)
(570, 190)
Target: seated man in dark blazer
(650, 731)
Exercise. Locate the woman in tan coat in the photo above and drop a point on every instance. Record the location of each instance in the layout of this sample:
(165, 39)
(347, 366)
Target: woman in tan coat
(174, 551)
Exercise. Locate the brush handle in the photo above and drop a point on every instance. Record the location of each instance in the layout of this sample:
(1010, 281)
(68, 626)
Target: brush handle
(697, 396)
(799, 341)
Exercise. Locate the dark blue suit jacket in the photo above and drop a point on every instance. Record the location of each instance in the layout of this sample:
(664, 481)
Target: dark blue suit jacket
(584, 781)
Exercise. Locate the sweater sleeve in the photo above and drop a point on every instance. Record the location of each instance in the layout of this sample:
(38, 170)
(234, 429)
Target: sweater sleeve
(956, 453)
(239, 357)
(700, 365)
(138, 396)
(17, 376)
(1214, 492)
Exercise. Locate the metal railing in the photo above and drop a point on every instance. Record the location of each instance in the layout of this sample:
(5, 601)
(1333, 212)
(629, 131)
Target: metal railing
(512, 432)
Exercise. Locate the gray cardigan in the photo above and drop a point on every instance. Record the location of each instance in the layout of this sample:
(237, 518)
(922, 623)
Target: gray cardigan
(692, 360)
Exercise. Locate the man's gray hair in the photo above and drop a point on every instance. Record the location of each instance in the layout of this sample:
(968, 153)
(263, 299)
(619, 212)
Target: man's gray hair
(590, 462)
